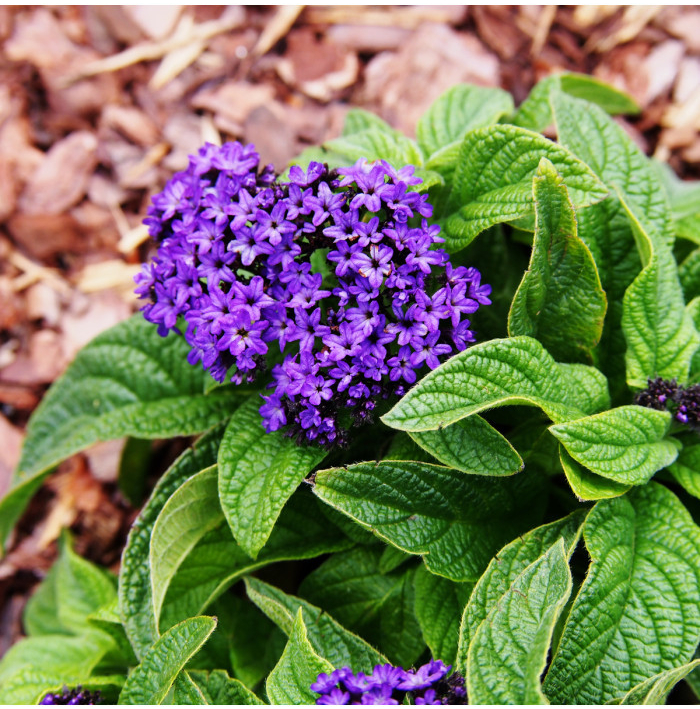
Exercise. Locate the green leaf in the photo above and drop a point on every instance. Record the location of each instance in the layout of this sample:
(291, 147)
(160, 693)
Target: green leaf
(377, 143)
(134, 468)
(689, 275)
(405, 503)
(391, 559)
(637, 613)
(535, 112)
(186, 692)
(439, 606)
(509, 649)
(493, 180)
(150, 682)
(460, 109)
(625, 444)
(258, 472)
(686, 469)
(191, 512)
(516, 370)
(505, 568)
(41, 612)
(327, 637)
(135, 602)
(473, 446)
(217, 561)
(656, 689)
(612, 155)
(357, 120)
(218, 688)
(587, 485)
(128, 381)
(560, 300)
(289, 682)
(29, 685)
(377, 606)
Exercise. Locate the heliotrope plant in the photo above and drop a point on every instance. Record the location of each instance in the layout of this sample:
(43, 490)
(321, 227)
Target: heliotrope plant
(432, 381)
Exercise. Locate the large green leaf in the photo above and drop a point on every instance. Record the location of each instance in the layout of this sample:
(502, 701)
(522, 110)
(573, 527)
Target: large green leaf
(686, 469)
(218, 688)
(30, 685)
(587, 485)
(637, 612)
(456, 521)
(439, 606)
(217, 561)
(493, 180)
(289, 682)
(377, 606)
(516, 370)
(135, 602)
(150, 682)
(471, 445)
(560, 300)
(656, 689)
(327, 637)
(258, 472)
(377, 142)
(505, 568)
(191, 512)
(626, 444)
(509, 649)
(128, 381)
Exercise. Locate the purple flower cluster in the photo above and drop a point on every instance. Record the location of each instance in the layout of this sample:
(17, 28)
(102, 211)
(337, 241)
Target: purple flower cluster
(336, 267)
(387, 684)
(663, 395)
(72, 696)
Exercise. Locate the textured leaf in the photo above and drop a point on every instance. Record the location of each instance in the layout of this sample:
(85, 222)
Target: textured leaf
(358, 120)
(258, 472)
(218, 688)
(560, 300)
(439, 607)
(587, 485)
(471, 445)
(612, 155)
(135, 602)
(535, 113)
(456, 521)
(327, 637)
(517, 370)
(460, 109)
(625, 444)
(186, 692)
(40, 615)
(150, 682)
(30, 685)
(637, 612)
(217, 561)
(686, 469)
(186, 517)
(509, 649)
(127, 382)
(378, 143)
(656, 689)
(689, 275)
(506, 567)
(377, 606)
(289, 682)
(493, 180)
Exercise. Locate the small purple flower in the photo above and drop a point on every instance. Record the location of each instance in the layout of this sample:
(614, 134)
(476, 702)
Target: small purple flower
(335, 696)
(424, 676)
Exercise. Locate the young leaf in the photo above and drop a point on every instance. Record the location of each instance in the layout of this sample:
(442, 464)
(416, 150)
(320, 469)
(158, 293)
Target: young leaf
(625, 444)
(686, 469)
(439, 606)
(377, 606)
(493, 180)
(517, 370)
(604, 146)
(406, 504)
(636, 614)
(327, 637)
(258, 472)
(191, 512)
(218, 688)
(656, 689)
(128, 381)
(471, 445)
(587, 485)
(560, 300)
(290, 681)
(460, 109)
(135, 602)
(507, 566)
(509, 649)
(150, 682)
